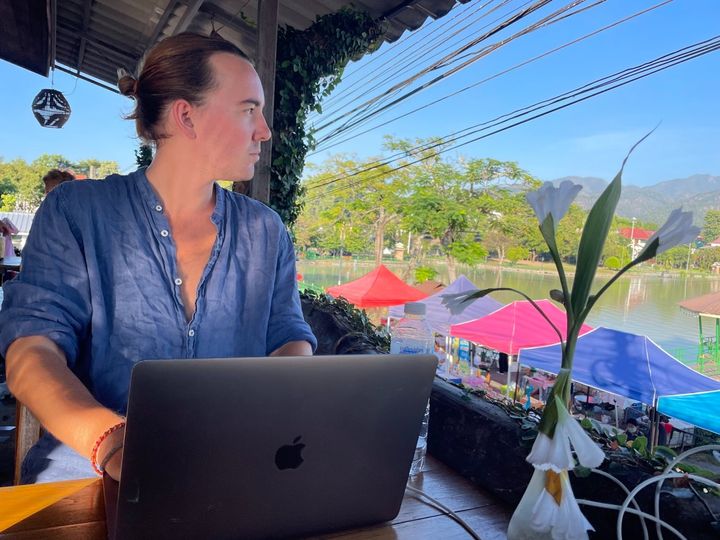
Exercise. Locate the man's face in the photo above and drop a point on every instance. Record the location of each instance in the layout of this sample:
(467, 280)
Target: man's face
(229, 124)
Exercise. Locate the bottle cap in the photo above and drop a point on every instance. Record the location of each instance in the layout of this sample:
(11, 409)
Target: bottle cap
(415, 308)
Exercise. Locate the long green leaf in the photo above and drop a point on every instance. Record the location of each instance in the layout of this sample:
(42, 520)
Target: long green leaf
(594, 235)
(593, 238)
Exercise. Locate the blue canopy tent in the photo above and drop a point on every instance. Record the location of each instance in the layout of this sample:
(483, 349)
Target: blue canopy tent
(700, 409)
(439, 317)
(637, 368)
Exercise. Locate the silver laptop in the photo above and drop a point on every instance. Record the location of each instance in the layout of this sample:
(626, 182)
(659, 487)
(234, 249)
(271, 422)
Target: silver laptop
(267, 447)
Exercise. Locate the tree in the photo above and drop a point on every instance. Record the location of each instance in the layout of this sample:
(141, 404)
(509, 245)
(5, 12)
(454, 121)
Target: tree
(144, 155)
(711, 226)
(95, 168)
(706, 257)
(676, 257)
(517, 253)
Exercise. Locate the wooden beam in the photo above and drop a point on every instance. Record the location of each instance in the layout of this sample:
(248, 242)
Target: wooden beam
(83, 34)
(267, 47)
(159, 27)
(188, 16)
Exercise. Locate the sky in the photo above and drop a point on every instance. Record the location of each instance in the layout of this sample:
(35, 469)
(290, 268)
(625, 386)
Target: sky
(587, 139)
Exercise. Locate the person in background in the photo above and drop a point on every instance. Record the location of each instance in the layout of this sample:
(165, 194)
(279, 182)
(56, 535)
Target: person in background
(54, 177)
(665, 430)
(631, 429)
(161, 263)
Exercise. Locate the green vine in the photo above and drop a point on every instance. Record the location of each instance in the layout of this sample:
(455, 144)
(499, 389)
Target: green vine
(309, 65)
(351, 319)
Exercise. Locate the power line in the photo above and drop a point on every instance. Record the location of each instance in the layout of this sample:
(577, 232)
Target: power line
(584, 92)
(487, 79)
(331, 106)
(546, 21)
(436, 65)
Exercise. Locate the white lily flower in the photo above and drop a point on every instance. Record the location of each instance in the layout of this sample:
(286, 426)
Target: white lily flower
(457, 302)
(677, 229)
(548, 511)
(553, 200)
(556, 454)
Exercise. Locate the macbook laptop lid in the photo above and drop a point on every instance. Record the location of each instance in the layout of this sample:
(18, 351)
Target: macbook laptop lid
(268, 447)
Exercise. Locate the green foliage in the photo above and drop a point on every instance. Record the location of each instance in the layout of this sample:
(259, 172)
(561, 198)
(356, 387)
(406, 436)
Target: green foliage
(459, 209)
(704, 258)
(424, 273)
(95, 168)
(309, 65)
(143, 155)
(613, 263)
(711, 225)
(470, 253)
(517, 253)
(7, 202)
(349, 317)
(676, 257)
(21, 186)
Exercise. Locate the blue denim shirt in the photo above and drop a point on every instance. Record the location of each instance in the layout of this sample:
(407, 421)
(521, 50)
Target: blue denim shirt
(100, 279)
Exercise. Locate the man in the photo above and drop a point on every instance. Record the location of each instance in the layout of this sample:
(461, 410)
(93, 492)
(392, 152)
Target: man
(161, 263)
(54, 177)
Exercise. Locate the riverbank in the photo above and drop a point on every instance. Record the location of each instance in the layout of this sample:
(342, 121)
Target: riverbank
(537, 267)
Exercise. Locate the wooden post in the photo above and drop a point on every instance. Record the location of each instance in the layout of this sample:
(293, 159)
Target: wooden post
(26, 435)
(267, 47)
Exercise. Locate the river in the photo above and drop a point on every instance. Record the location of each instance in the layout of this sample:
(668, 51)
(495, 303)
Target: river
(638, 303)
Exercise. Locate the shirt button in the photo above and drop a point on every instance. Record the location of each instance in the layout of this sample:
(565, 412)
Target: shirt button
(158, 208)
(164, 233)
(191, 333)
(178, 281)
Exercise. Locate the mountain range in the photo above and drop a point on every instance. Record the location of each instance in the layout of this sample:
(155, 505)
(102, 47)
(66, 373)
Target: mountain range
(698, 193)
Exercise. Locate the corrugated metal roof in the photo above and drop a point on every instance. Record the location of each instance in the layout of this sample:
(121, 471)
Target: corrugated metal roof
(22, 220)
(97, 37)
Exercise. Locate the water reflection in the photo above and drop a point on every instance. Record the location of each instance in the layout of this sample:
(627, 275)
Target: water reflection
(641, 304)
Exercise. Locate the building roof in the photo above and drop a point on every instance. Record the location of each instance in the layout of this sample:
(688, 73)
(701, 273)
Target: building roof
(636, 233)
(97, 38)
(22, 220)
(707, 304)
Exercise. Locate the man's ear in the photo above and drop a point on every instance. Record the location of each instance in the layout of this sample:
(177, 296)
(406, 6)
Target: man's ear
(181, 115)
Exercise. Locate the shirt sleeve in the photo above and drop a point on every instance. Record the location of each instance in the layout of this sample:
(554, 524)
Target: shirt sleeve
(286, 319)
(50, 297)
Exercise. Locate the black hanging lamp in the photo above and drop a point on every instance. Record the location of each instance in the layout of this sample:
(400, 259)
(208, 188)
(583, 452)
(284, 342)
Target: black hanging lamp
(50, 108)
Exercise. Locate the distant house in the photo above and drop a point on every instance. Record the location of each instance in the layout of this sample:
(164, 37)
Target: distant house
(638, 238)
(715, 243)
(23, 221)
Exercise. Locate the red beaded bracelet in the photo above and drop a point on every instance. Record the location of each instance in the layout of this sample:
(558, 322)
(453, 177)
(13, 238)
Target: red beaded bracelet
(98, 442)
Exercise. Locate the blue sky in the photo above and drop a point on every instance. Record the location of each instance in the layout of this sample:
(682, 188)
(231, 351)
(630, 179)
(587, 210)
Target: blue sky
(587, 139)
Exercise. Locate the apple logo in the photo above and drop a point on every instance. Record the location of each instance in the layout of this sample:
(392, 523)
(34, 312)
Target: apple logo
(289, 456)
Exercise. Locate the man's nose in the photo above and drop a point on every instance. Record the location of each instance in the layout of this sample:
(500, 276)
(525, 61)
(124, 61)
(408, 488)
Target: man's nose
(262, 132)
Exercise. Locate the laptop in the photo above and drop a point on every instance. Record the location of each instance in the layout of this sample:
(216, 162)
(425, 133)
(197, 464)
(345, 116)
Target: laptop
(267, 447)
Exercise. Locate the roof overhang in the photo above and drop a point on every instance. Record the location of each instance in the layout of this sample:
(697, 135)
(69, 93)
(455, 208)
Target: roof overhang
(93, 38)
(26, 27)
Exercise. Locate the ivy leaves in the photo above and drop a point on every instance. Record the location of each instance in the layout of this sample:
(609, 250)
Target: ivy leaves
(309, 66)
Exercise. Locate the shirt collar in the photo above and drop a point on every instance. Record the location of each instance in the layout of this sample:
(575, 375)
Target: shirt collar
(150, 197)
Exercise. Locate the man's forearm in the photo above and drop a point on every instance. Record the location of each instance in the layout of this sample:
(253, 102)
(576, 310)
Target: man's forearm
(293, 348)
(37, 375)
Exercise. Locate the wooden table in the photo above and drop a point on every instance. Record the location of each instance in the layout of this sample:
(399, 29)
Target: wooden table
(81, 516)
(10, 263)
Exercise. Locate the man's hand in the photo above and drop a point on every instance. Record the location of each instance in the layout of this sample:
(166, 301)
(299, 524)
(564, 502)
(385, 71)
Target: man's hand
(110, 452)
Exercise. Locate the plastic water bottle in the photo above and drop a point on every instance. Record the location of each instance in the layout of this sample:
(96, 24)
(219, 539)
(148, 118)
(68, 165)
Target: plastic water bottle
(413, 335)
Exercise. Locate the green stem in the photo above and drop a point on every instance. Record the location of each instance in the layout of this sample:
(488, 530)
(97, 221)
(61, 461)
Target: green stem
(540, 311)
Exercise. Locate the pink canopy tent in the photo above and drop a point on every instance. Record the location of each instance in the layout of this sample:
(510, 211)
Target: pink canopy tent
(515, 326)
(379, 288)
